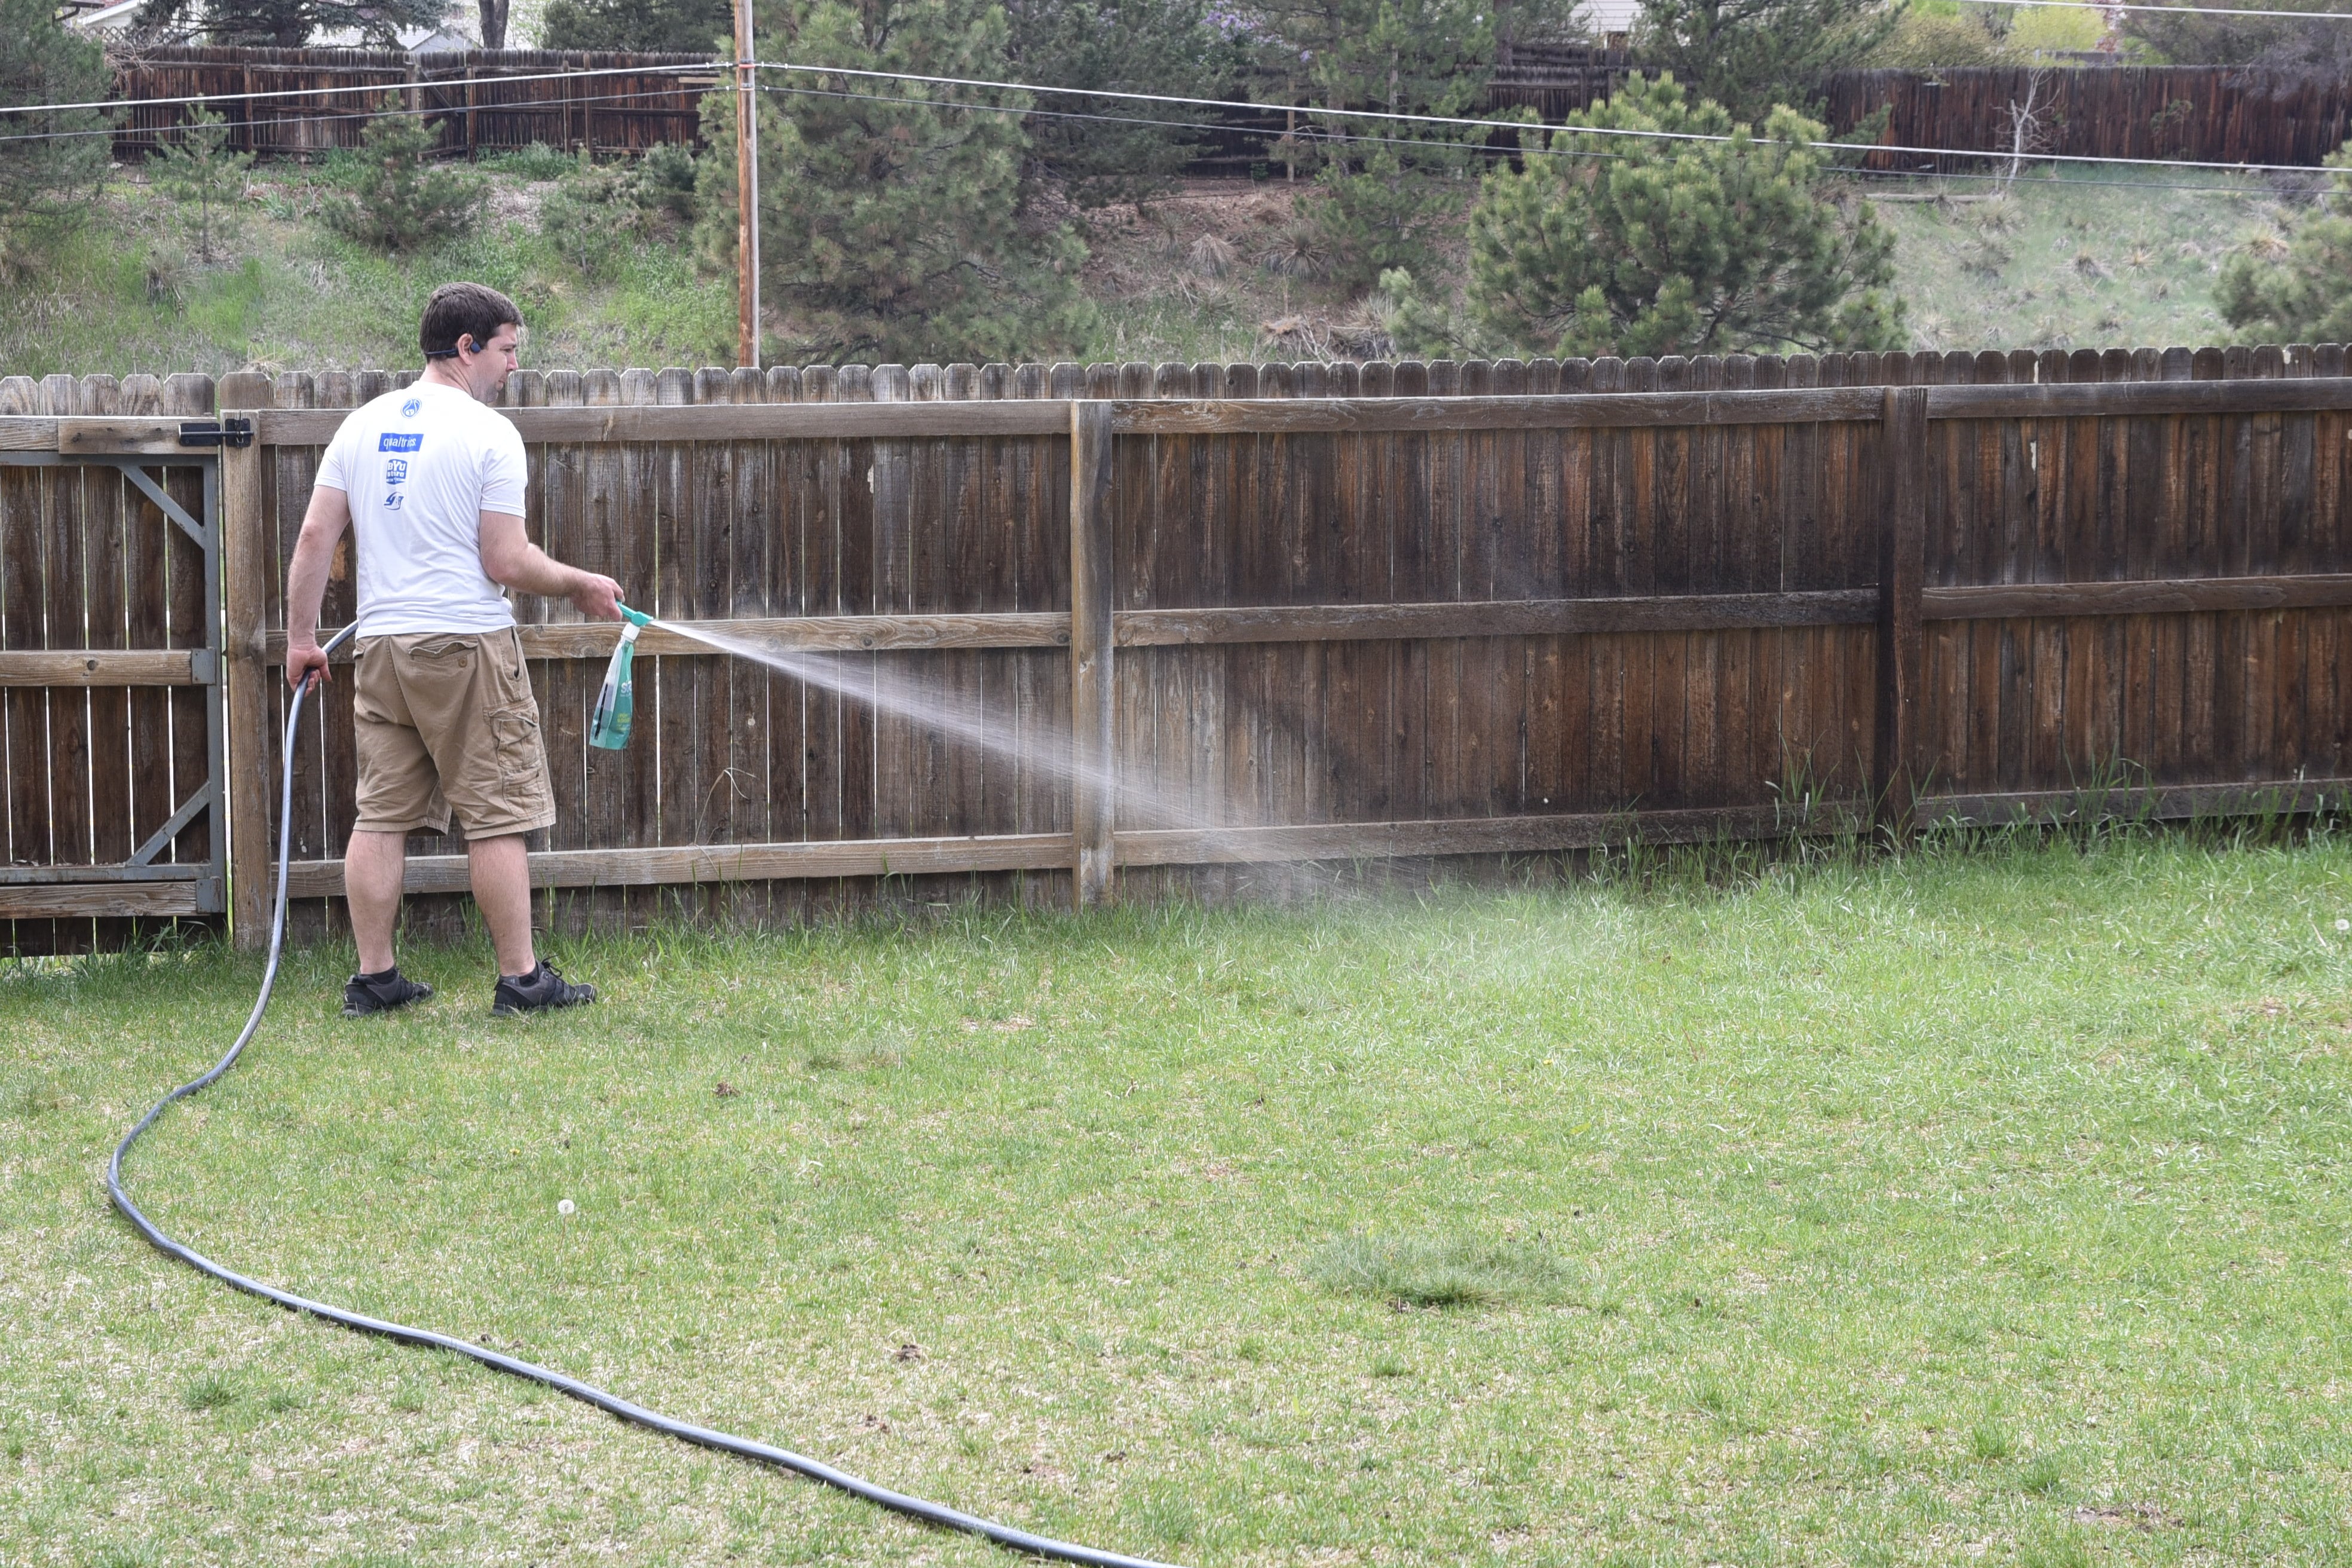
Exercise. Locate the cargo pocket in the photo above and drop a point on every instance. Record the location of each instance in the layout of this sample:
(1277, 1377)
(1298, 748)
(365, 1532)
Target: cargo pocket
(523, 763)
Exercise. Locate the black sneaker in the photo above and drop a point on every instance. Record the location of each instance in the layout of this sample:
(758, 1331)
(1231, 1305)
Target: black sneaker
(542, 987)
(366, 993)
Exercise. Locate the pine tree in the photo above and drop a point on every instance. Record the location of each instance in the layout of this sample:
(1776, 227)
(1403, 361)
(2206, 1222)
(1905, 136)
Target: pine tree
(1385, 190)
(200, 171)
(400, 198)
(1671, 246)
(891, 226)
(1165, 47)
(56, 161)
(683, 27)
(1750, 55)
(287, 24)
(2303, 295)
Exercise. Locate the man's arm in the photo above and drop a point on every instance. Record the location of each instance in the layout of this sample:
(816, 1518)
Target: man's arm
(512, 561)
(306, 581)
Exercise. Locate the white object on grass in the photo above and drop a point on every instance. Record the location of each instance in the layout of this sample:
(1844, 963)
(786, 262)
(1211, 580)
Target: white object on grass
(564, 1205)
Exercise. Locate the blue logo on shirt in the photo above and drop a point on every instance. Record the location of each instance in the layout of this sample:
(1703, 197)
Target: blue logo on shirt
(393, 441)
(408, 410)
(392, 500)
(394, 470)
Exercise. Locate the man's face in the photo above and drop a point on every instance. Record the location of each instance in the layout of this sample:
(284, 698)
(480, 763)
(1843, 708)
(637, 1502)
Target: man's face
(486, 373)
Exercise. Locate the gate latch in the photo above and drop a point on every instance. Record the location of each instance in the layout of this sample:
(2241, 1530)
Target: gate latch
(217, 433)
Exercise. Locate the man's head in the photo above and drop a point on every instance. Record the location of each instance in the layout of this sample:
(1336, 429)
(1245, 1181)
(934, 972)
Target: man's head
(469, 336)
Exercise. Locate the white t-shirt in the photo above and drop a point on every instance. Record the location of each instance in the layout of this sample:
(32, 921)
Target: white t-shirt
(420, 466)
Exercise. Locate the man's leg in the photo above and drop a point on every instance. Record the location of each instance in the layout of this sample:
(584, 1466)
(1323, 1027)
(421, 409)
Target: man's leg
(501, 874)
(373, 866)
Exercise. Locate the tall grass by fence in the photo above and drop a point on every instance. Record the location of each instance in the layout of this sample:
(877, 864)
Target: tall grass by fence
(1323, 613)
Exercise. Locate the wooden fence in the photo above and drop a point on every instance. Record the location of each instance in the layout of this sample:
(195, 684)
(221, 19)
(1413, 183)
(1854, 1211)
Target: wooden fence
(2210, 114)
(1335, 613)
(485, 99)
(304, 103)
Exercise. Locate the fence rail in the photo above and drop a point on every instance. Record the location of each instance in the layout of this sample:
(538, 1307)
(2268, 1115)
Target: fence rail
(1185, 621)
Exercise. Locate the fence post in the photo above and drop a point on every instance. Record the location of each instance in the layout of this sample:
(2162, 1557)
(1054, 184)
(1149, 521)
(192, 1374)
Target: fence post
(1901, 642)
(1094, 760)
(244, 592)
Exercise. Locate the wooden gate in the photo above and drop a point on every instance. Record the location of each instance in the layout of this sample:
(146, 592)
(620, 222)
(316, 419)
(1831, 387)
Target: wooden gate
(110, 660)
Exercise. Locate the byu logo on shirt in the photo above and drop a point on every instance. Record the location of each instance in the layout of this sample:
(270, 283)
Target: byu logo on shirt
(408, 410)
(394, 470)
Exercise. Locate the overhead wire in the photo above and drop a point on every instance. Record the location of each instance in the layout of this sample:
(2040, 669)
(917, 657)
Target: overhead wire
(1310, 135)
(2172, 10)
(167, 133)
(702, 70)
(1314, 135)
(987, 84)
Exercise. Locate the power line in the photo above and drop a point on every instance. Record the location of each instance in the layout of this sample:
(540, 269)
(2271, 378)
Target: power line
(1310, 134)
(356, 87)
(1520, 126)
(161, 134)
(1320, 135)
(2174, 10)
(1393, 117)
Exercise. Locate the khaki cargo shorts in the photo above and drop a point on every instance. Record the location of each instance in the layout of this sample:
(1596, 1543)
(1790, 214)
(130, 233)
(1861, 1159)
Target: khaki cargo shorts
(446, 720)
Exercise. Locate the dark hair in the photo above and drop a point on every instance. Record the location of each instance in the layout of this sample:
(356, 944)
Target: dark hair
(458, 311)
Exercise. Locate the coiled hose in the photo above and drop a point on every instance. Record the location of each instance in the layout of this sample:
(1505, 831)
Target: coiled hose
(612, 1403)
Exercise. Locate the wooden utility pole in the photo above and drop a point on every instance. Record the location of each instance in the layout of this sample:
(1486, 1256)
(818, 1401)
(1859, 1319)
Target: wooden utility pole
(747, 194)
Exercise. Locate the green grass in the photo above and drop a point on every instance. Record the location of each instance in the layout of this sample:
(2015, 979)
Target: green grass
(1972, 1205)
(286, 293)
(2074, 258)
(2124, 261)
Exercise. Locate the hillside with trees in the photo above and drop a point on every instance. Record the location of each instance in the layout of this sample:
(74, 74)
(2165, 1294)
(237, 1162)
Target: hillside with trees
(905, 219)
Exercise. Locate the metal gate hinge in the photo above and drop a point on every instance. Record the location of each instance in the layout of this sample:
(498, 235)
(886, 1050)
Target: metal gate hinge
(217, 433)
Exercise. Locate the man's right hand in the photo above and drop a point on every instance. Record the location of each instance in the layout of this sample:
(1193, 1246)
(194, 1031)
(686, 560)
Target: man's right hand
(597, 597)
(303, 661)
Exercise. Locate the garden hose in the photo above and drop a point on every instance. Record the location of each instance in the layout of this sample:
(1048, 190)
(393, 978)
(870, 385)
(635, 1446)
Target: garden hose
(705, 1436)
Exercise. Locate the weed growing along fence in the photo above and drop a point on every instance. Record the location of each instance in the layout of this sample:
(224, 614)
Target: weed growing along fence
(1310, 613)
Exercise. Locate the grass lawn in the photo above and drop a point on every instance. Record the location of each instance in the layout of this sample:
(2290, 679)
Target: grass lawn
(2125, 259)
(2075, 257)
(1984, 1205)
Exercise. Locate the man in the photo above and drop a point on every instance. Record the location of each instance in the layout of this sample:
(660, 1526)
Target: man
(430, 480)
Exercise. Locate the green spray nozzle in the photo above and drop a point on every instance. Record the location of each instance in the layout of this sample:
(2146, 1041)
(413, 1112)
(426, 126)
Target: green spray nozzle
(637, 618)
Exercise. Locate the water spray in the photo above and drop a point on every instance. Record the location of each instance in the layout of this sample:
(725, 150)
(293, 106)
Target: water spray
(612, 712)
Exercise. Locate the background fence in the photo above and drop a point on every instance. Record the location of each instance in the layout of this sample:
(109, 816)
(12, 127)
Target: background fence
(293, 102)
(2203, 113)
(1312, 613)
(2214, 114)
